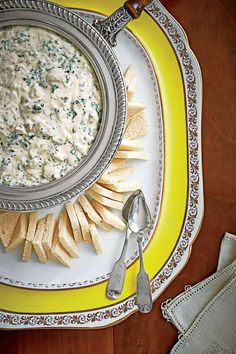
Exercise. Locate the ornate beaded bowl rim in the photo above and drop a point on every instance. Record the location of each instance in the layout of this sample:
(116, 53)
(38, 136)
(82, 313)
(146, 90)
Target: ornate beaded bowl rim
(78, 31)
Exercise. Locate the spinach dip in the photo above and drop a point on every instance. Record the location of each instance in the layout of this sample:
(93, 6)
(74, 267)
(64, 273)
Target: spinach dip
(50, 106)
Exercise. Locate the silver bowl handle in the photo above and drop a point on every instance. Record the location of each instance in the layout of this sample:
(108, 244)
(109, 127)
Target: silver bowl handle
(112, 25)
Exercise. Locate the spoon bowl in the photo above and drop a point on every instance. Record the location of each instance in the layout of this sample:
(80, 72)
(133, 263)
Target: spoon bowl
(139, 215)
(129, 202)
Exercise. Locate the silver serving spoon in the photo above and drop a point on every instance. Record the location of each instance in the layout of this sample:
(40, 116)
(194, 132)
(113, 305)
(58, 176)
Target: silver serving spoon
(139, 221)
(117, 276)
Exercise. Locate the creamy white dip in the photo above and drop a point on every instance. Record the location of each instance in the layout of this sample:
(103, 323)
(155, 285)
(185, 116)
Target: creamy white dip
(50, 106)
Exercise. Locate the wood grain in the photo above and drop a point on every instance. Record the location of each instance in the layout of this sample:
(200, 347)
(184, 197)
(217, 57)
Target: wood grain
(211, 29)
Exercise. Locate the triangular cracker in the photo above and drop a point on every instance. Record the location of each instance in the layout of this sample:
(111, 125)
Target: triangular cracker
(50, 224)
(33, 217)
(37, 241)
(136, 126)
(108, 216)
(130, 145)
(96, 238)
(107, 193)
(19, 233)
(58, 250)
(74, 222)
(104, 200)
(8, 221)
(134, 108)
(123, 187)
(134, 155)
(116, 176)
(89, 209)
(83, 221)
(66, 235)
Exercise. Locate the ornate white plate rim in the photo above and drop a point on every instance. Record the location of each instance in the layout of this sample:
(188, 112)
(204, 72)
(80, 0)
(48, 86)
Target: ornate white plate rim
(113, 314)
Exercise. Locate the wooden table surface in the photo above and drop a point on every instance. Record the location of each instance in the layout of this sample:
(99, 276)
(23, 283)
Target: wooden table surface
(211, 29)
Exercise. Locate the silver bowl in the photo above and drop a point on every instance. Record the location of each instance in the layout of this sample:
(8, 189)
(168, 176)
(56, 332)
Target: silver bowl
(83, 35)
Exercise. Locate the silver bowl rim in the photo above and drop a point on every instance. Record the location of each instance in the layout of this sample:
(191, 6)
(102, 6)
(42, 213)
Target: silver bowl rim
(7, 201)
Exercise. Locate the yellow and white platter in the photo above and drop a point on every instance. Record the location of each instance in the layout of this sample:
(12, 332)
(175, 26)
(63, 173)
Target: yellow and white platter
(34, 295)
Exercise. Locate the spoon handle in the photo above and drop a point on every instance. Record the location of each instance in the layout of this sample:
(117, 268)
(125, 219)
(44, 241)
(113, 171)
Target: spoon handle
(117, 276)
(144, 295)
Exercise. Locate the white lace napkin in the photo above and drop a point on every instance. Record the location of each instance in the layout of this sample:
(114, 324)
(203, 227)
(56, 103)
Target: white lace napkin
(205, 314)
